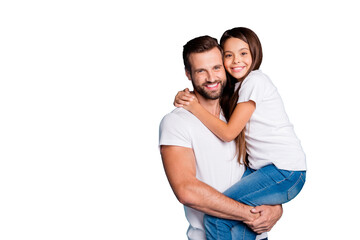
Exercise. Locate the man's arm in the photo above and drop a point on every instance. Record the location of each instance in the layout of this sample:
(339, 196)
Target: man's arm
(180, 168)
(179, 164)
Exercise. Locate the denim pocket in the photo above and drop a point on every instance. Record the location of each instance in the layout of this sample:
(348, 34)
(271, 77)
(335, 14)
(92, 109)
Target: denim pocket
(296, 188)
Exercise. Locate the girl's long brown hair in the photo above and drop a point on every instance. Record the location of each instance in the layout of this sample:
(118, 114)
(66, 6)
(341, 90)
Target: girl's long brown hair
(230, 95)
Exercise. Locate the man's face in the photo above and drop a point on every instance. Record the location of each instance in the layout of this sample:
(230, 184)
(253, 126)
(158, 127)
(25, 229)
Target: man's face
(207, 73)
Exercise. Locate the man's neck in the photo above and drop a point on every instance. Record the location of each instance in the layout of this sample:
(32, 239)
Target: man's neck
(212, 106)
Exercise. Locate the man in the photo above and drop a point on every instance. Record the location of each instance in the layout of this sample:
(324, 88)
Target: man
(199, 166)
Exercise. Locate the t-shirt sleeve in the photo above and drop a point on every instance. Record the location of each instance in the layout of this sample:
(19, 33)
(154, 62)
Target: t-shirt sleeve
(253, 88)
(173, 131)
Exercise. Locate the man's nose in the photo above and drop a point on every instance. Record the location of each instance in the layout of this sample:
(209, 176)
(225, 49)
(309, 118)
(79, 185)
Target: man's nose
(212, 77)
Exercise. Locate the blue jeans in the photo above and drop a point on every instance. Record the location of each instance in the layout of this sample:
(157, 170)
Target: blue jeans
(266, 186)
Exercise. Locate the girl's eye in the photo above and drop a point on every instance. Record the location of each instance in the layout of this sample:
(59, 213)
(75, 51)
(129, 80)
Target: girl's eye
(244, 53)
(227, 55)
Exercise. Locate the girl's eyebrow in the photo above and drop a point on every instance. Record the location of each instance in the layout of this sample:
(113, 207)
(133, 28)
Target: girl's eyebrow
(238, 50)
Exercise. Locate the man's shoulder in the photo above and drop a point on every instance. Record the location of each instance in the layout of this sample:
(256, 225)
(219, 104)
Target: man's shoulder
(178, 114)
(177, 119)
(175, 128)
(181, 112)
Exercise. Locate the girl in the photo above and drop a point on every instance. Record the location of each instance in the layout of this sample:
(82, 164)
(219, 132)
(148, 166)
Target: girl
(276, 166)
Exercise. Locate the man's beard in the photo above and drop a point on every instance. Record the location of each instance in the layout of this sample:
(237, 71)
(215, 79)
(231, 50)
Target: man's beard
(207, 94)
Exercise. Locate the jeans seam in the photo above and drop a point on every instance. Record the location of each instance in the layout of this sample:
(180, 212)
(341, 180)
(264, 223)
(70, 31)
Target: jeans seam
(217, 227)
(244, 232)
(302, 177)
(286, 178)
(297, 182)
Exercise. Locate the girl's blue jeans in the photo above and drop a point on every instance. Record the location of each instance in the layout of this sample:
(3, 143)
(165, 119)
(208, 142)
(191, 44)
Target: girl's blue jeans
(266, 186)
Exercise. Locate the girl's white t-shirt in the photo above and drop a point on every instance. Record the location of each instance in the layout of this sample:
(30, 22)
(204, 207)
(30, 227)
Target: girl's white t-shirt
(269, 135)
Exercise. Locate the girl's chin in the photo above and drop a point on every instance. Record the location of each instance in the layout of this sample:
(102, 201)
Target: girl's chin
(237, 75)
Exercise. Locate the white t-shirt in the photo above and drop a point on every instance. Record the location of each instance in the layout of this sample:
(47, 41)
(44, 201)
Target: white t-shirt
(269, 135)
(216, 161)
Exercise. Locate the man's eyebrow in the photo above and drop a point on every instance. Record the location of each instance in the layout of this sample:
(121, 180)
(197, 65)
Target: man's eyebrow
(198, 69)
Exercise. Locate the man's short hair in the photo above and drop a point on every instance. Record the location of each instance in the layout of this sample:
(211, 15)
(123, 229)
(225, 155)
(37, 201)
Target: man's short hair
(198, 45)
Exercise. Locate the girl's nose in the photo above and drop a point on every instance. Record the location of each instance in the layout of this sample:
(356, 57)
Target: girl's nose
(236, 59)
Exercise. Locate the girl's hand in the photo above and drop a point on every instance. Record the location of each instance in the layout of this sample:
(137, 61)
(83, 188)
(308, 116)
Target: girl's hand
(184, 99)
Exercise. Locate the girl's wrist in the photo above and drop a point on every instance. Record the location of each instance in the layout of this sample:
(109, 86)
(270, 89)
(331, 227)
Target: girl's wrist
(195, 106)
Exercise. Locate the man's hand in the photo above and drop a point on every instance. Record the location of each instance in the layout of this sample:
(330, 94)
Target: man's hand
(269, 215)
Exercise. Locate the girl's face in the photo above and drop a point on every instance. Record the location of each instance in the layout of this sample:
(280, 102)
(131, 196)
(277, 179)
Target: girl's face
(237, 57)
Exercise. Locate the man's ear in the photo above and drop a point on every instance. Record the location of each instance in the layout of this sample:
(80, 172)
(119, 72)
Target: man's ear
(188, 74)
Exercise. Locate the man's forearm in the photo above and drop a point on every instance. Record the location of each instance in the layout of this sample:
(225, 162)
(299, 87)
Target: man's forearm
(206, 199)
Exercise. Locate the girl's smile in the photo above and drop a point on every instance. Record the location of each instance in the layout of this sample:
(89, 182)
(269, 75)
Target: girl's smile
(237, 69)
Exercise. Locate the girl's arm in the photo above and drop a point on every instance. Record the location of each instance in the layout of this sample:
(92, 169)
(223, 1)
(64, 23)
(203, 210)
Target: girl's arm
(225, 131)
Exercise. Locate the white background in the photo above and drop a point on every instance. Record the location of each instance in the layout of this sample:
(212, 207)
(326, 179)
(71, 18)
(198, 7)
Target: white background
(84, 85)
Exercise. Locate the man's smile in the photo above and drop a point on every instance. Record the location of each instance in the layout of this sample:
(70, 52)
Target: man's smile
(212, 86)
